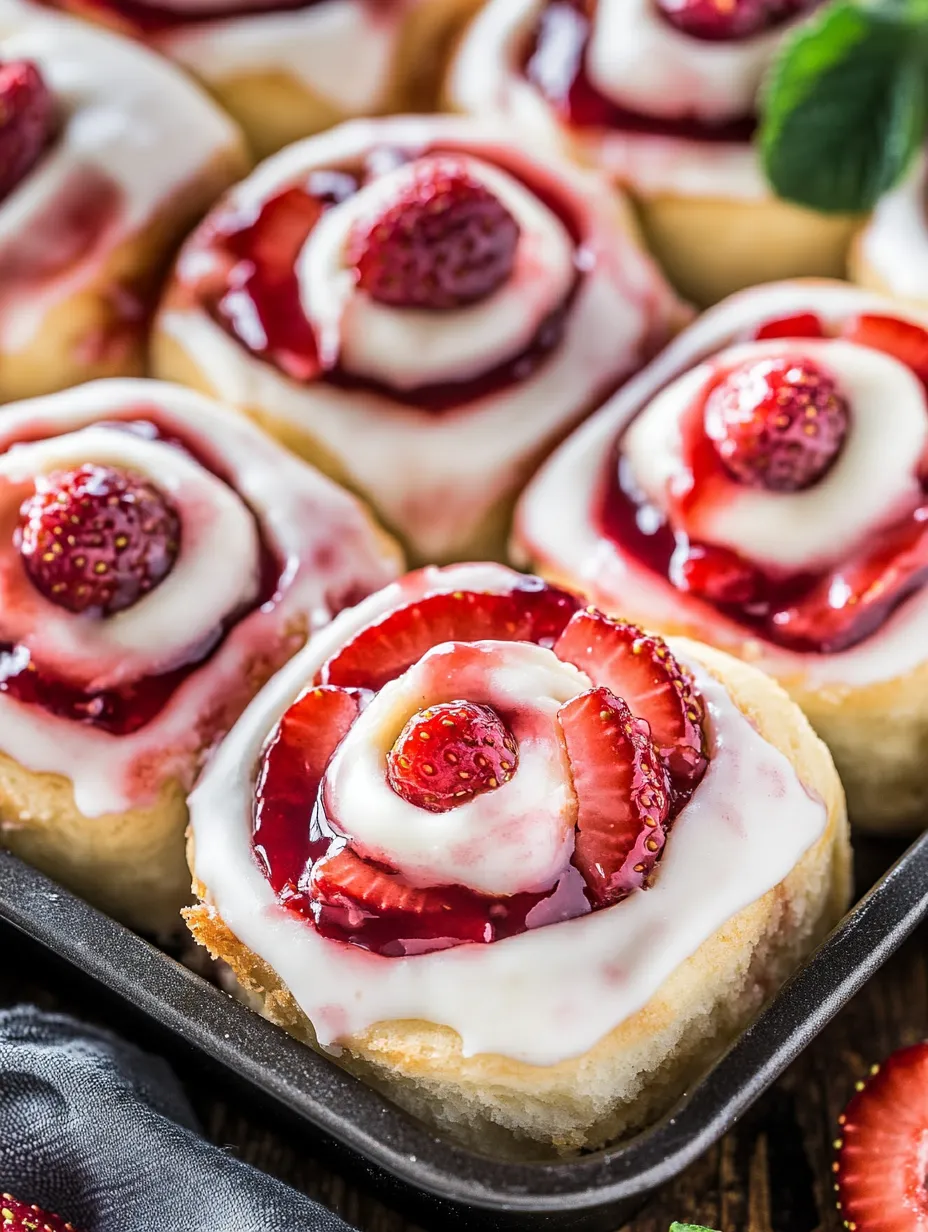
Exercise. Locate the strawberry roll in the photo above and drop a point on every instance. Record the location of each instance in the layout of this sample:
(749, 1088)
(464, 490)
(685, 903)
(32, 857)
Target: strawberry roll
(286, 69)
(662, 96)
(419, 308)
(108, 156)
(553, 861)
(763, 487)
(161, 560)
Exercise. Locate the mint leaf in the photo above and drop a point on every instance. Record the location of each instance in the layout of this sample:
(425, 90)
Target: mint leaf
(688, 1227)
(845, 108)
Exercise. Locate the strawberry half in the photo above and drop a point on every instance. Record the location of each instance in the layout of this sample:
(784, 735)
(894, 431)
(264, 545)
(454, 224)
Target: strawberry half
(623, 797)
(16, 1216)
(903, 340)
(639, 668)
(449, 753)
(96, 539)
(883, 1148)
(381, 652)
(294, 761)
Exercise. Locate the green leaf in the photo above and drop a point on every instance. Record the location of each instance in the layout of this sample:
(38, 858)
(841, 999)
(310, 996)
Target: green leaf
(845, 108)
(688, 1227)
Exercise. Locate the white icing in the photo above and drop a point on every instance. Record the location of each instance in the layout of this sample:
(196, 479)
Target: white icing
(639, 60)
(343, 51)
(555, 523)
(664, 74)
(443, 473)
(874, 480)
(408, 348)
(207, 582)
(516, 838)
(894, 244)
(127, 117)
(327, 549)
(548, 994)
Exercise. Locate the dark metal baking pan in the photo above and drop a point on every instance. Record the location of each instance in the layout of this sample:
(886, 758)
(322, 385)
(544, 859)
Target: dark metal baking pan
(592, 1193)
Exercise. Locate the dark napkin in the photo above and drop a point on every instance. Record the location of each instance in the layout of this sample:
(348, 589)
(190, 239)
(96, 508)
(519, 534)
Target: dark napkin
(101, 1133)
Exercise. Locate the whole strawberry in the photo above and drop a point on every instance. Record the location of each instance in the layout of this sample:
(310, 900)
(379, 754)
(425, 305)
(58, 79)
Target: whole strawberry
(27, 121)
(445, 241)
(96, 539)
(16, 1216)
(777, 423)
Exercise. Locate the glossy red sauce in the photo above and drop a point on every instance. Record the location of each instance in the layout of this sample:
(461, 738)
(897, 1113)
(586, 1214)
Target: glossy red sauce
(256, 297)
(125, 710)
(795, 610)
(555, 63)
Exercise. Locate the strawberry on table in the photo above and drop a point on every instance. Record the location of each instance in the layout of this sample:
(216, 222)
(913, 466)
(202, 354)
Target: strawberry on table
(881, 1163)
(16, 1216)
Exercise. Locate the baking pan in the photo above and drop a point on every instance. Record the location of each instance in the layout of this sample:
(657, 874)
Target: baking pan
(593, 1193)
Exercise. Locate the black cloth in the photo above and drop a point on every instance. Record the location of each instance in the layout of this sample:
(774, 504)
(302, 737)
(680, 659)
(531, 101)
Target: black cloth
(101, 1133)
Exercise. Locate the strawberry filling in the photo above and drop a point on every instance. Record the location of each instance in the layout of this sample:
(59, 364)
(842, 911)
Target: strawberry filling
(102, 572)
(555, 63)
(781, 428)
(634, 745)
(408, 259)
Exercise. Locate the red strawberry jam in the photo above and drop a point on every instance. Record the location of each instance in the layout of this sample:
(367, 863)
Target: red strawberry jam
(252, 287)
(634, 761)
(779, 426)
(555, 63)
(131, 568)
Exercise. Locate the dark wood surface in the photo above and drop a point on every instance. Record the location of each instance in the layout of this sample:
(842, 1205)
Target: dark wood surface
(772, 1173)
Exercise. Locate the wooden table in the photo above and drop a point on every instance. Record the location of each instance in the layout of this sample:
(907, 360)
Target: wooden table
(772, 1173)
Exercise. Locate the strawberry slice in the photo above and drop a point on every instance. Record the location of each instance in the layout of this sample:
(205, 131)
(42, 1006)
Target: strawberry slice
(533, 612)
(639, 668)
(882, 1148)
(356, 900)
(801, 325)
(901, 339)
(853, 601)
(622, 794)
(292, 767)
